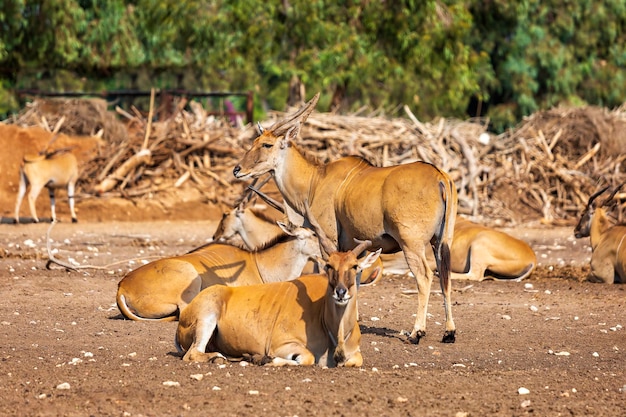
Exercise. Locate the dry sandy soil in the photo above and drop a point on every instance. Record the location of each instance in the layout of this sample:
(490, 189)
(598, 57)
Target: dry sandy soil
(65, 350)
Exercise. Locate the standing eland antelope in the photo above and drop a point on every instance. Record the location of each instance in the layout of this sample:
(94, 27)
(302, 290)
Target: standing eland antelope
(403, 207)
(608, 256)
(310, 320)
(52, 170)
(161, 289)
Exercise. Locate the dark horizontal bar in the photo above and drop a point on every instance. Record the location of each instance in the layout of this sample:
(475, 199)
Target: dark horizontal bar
(129, 93)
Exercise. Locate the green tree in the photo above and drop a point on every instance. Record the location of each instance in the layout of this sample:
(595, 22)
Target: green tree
(550, 53)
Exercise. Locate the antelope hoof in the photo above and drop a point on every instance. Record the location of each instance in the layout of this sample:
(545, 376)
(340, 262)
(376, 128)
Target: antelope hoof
(415, 337)
(449, 336)
(74, 220)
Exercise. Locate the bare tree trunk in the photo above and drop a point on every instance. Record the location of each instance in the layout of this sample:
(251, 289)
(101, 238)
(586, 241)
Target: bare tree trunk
(296, 92)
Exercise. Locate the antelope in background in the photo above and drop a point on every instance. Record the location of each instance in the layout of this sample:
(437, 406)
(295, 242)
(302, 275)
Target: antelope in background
(479, 252)
(405, 207)
(310, 320)
(161, 289)
(608, 256)
(52, 170)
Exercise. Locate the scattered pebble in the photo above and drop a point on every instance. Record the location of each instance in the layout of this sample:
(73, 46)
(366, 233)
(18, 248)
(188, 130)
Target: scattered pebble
(523, 391)
(216, 388)
(506, 317)
(64, 385)
(525, 404)
(595, 354)
(197, 377)
(171, 383)
(562, 353)
(253, 392)
(528, 286)
(534, 309)
(75, 361)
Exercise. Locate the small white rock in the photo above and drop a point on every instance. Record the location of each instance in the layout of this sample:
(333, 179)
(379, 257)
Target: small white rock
(528, 286)
(216, 388)
(64, 385)
(534, 309)
(171, 383)
(506, 317)
(523, 391)
(253, 392)
(197, 377)
(595, 354)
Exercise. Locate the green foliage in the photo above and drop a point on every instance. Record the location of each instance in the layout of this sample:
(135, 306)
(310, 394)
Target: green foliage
(550, 53)
(434, 55)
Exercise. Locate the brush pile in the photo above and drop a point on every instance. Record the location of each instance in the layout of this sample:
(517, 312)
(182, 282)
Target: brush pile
(544, 170)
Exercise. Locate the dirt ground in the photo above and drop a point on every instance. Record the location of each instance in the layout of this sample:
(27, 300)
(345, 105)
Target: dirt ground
(550, 346)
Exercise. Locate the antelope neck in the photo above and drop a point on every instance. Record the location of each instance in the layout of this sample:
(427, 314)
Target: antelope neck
(294, 178)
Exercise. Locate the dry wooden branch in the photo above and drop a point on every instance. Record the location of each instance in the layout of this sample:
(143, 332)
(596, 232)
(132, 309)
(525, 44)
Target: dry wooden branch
(141, 157)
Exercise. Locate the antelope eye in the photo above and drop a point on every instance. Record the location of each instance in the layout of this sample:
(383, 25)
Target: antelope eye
(267, 145)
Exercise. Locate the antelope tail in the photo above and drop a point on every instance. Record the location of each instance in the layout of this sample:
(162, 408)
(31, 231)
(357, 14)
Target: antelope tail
(129, 314)
(445, 234)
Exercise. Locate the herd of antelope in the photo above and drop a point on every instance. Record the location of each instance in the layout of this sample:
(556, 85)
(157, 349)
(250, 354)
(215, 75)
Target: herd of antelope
(282, 289)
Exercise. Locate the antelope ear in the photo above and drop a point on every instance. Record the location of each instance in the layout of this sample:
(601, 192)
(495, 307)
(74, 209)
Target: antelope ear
(369, 259)
(291, 135)
(287, 228)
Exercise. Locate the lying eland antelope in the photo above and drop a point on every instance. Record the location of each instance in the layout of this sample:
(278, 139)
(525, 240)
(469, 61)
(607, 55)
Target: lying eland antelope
(161, 289)
(52, 170)
(479, 252)
(405, 207)
(608, 256)
(310, 320)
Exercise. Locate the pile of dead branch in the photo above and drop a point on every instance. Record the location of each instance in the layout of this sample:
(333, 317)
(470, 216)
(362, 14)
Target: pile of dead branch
(545, 169)
(73, 117)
